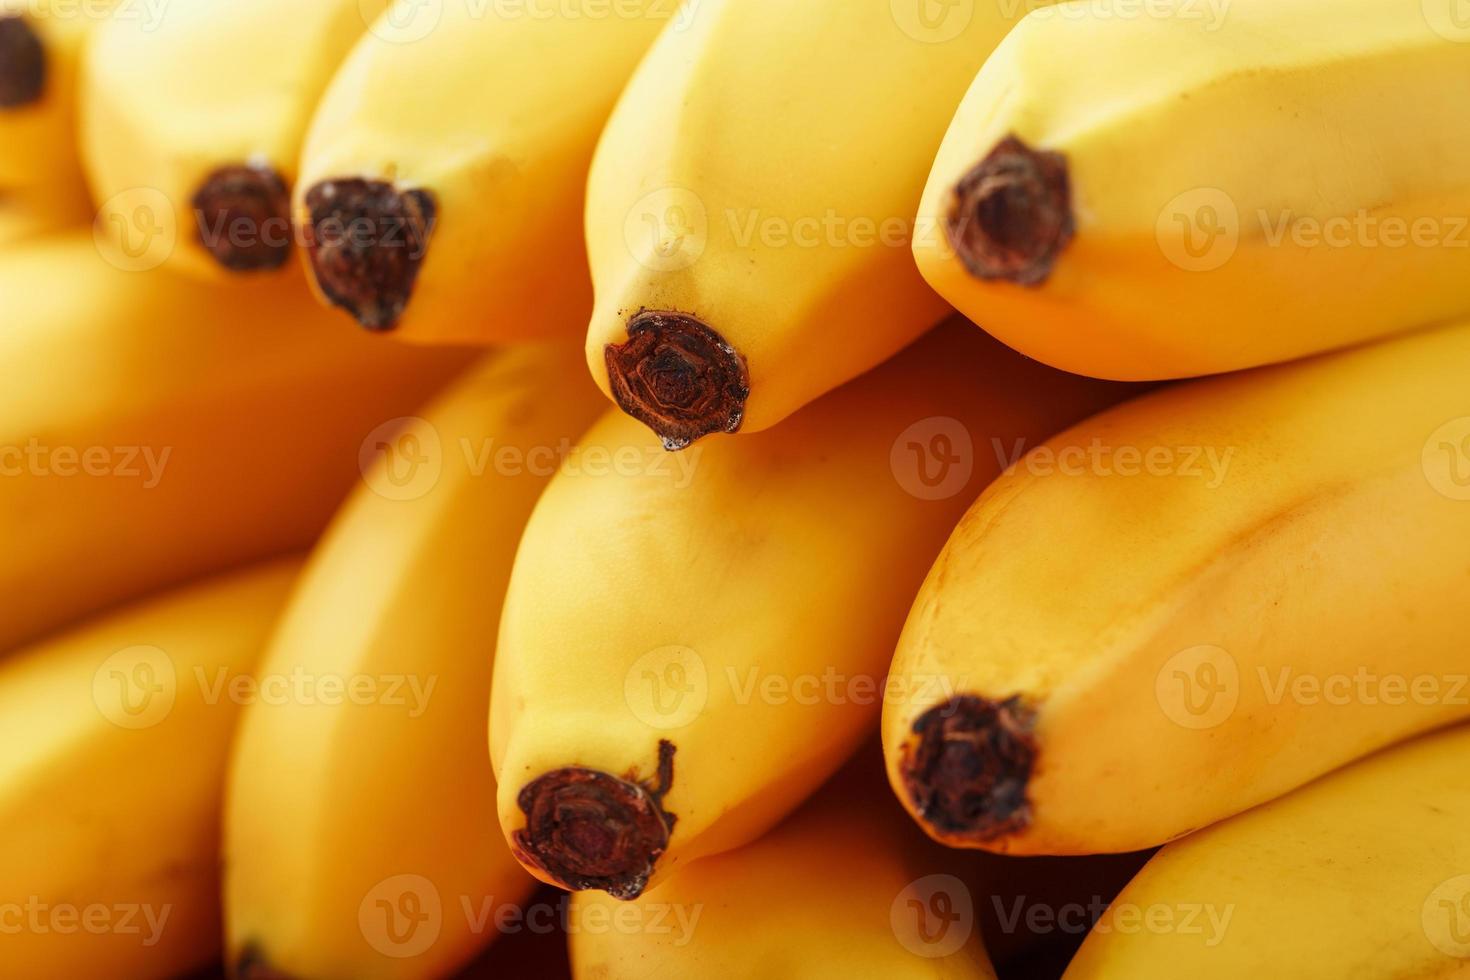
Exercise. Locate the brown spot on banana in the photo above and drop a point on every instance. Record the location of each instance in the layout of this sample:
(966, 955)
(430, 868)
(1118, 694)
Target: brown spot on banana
(678, 377)
(967, 765)
(244, 217)
(586, 829)
(22, 63)
(367, 240)
(1011, 216)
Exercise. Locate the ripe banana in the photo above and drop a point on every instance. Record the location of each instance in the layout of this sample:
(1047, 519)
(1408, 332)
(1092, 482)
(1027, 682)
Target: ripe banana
(441, 191)
(1193, 603)
(704, 636)
(1363, 873)
(840, 889)
(193, 121)
(40, 44)
(1209, 186)
(394, 602)
(749, 204)
(153, 428)
(116, 737)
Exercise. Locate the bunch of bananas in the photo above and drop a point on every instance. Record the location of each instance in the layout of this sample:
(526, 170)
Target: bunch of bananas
(817, 631)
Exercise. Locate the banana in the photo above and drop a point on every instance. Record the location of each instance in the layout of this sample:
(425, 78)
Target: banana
(704, 636)
(39, 211)
(153, 428)
(40, 45)
(116, 737)
(441, 188)
(749, 204)
(840, 889)
(1363, 873)
(193, 121)
(1207, 186)
(400, 599)
(1194, 603)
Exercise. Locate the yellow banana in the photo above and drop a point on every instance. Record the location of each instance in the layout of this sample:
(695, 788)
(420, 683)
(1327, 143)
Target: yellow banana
(1193, 603)
(704, 636)
(116, 737)
(1365, 873)
(748, 209)
(1207, 186)
(153, 428)
(840, 889)
(192, 122)
(351, 815)
(442, 182)
(40, 44)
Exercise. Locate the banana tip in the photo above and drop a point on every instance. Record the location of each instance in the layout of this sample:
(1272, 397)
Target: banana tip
(22, 63)
(366, 240)
(1010, 217)
(678, 377)
(966, 767)
(586, 829)
(244, 216)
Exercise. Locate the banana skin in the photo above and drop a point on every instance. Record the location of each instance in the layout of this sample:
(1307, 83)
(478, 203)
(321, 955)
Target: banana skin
(1144, 643)
(441, 193)
(1204, 189)
(692, 643)
(395, 600)
(117, 733)
(1362, 873)
(154, 428)
(749, 207)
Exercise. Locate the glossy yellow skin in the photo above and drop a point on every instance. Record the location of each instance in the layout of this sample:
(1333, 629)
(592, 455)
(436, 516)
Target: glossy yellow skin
(1359, 875)
(328, 800)
(40, 140)
(775, 561)
(110, 799)
(496, 114)
(257, 397)
(1168, 626)
(206, 84)
(1245, 191)
(761, 171)
(815, 898)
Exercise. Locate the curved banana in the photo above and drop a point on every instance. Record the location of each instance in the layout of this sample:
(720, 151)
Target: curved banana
(749, 205)
(441, 187)
(400, 600)
(116, 736)
(1193, 603)
(40, 45)
(195, 116)
(1209, 186)
(702, 637)
(153, 428)
(840, 889)
(1365, 872)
